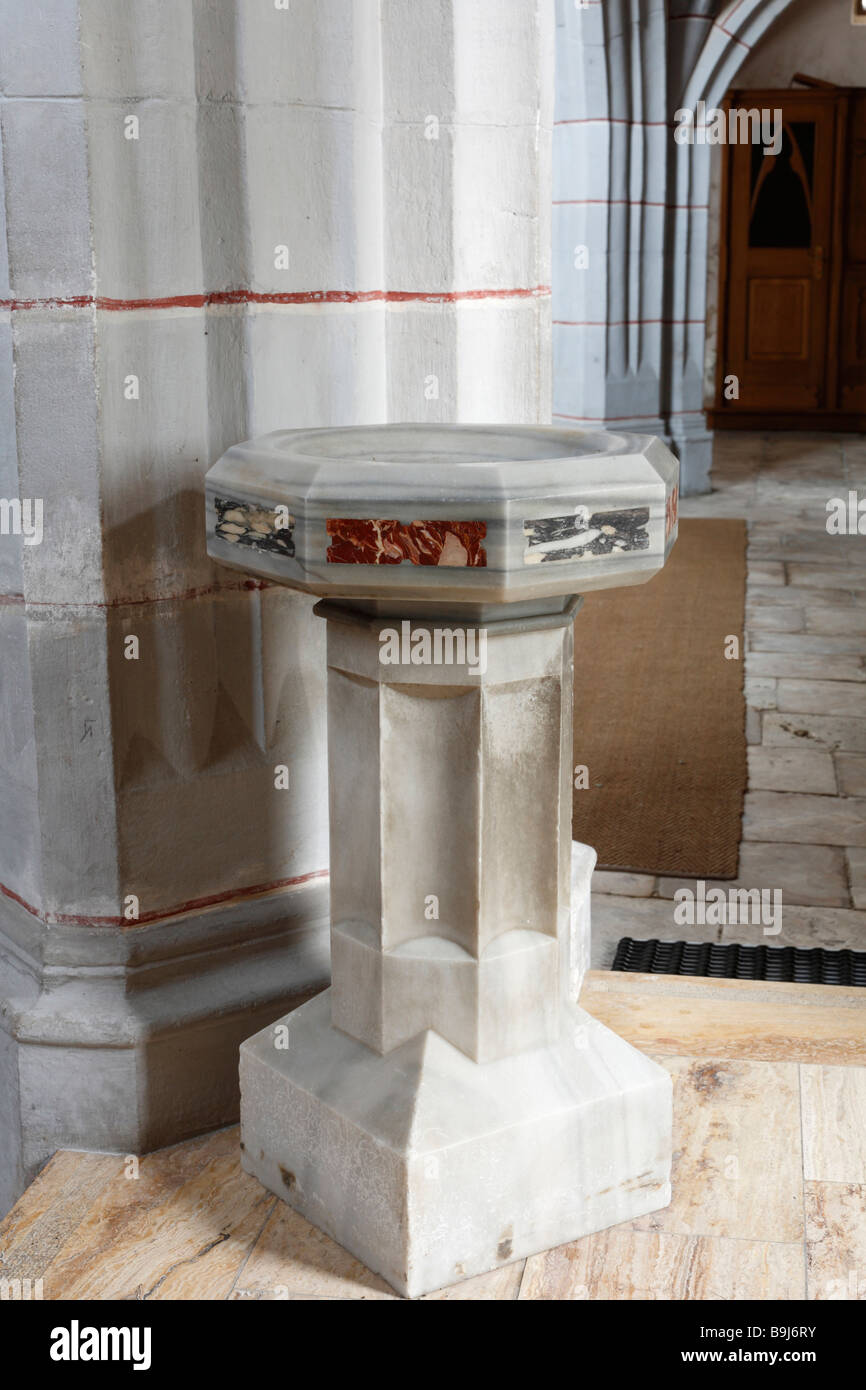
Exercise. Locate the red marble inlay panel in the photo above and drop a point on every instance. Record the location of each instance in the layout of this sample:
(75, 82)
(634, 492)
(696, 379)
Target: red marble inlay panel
(357, 542)
(671, 511)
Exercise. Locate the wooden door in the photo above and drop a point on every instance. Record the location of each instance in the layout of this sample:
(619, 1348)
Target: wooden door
(779, 259)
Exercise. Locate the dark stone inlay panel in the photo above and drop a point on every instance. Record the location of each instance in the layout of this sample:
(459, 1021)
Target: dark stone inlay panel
(582, 534)
(267, 529)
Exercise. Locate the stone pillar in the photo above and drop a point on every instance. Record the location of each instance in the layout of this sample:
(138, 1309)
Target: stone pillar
(447, 1106)
(609, 215)
(630, 212)
(427, 870)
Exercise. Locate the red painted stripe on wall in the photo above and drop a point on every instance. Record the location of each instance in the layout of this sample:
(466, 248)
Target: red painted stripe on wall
(218, 297)
(73, 919)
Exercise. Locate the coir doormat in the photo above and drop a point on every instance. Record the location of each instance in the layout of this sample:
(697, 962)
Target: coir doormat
(659, 712)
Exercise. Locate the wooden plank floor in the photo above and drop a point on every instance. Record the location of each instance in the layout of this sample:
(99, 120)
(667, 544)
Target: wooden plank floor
(769, 1180)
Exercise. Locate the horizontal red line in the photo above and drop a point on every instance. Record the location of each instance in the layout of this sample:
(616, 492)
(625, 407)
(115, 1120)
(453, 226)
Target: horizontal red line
(136, 602)
(217, 297)
(72, 919)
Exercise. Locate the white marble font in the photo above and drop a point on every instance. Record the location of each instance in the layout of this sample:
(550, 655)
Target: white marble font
(446, 1106)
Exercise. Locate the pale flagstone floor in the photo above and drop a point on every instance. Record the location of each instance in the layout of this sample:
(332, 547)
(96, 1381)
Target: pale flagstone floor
(804, 827)
(769, 1180)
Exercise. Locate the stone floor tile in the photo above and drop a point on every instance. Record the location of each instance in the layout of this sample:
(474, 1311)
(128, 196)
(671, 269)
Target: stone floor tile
(623, 1264)
(814, 731)
(806, 548)
(765, 572)
(737, 1151)
(798, 818)
(805, 927)
(791, 770)
(499, 1285)
(293, 1257)
(615, 916)
(835, 1241)
(808, 644)
(741, 1020)
(55, 1204)
(834, 1123)
(851, 772)
(856, 857)
(834, 577)
(775, 619)
(832, 697)
(629, 885)
(754, 726)
(831, 621)
(766, 596)
(805, 666)
(193, 1195)
(811, 875)
(760, 692)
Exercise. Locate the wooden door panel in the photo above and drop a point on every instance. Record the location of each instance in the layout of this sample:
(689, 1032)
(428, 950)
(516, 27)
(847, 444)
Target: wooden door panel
(778, 317)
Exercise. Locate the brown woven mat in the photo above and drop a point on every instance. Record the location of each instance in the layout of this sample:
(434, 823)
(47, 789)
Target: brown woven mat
(659, 718)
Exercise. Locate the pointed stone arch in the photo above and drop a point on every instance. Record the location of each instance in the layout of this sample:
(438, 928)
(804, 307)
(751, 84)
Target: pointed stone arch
(629, 335)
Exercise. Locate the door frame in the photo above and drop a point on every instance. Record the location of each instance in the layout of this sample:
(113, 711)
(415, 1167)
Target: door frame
(826, 416)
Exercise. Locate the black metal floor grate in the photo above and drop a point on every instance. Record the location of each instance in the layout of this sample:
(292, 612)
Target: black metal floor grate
(735, 962)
